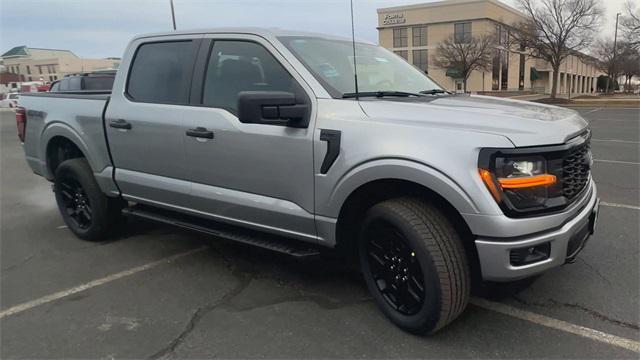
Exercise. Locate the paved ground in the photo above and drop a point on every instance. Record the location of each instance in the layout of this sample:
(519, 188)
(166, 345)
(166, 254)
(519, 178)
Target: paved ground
(226, 300)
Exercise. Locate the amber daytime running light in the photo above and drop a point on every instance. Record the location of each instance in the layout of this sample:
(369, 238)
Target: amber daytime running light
(515, 183)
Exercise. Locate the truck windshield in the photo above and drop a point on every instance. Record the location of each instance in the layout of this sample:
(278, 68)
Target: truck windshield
(379, 70)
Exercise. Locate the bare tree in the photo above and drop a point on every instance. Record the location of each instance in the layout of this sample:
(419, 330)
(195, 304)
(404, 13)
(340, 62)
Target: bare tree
(556, 29)
(630, 25)
(629, 63)
(465, 55)
(604, 52)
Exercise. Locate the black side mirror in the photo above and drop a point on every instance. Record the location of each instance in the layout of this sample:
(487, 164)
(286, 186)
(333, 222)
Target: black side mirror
(272, 108)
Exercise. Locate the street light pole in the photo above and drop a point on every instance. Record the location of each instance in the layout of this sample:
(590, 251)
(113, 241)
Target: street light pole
(173, 15)
(613, 61)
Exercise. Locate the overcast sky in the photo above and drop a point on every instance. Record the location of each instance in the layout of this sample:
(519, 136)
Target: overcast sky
(102, 28)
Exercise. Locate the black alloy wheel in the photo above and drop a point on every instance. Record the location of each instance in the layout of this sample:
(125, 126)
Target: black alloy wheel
(395, 268)
(76, 202)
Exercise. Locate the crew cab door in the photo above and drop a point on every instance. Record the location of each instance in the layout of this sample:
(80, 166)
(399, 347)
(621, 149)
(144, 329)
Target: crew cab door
(257, 175)
(145, 119)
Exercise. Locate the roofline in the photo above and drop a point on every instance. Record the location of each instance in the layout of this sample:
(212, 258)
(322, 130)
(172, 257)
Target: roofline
(266, 33)
(449, 3)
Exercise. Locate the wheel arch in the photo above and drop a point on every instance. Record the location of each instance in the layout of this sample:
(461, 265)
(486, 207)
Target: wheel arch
(61, 143)
(392, 178)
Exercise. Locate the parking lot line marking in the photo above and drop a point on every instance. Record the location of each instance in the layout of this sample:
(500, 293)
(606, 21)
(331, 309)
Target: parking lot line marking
(618, 141)
(624, 206)
(558, 324)
(617, 162)
(91, 284)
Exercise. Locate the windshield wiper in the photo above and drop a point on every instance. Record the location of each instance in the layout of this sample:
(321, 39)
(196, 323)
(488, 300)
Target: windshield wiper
(434, 91)
(379, 94)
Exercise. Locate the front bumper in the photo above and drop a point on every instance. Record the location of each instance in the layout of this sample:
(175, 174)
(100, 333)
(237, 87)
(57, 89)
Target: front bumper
(565, 243)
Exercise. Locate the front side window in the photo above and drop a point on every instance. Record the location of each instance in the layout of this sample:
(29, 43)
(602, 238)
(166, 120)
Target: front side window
(419, 36)
(64, 84)
(236, 66)
(161, 73)
(331, 62)
(400, 37)
(420, 59)
(462, 33)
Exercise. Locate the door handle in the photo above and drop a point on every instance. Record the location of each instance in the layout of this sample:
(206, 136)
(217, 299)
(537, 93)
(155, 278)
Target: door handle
(200, 132)
(120, 124)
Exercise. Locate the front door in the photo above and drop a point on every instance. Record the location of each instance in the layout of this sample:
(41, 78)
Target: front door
(252, 174)
(144, 124)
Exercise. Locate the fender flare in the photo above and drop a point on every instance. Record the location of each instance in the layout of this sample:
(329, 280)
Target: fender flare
(400, 169)
(55, 129)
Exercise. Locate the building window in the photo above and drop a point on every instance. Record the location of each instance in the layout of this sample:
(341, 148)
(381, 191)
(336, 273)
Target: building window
(420, 59)
(419, 36)
(504, 81)
(402, 53)
(400, 37)
(30, 79)
(495, 71)
(462, 33)
(521, 73)
(28, 70)
(39, 69)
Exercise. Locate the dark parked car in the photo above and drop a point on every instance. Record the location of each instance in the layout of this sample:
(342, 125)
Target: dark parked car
(95, 81)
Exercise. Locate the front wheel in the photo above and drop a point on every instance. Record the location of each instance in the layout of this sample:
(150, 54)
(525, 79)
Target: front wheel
(414, 264)
(86, 210)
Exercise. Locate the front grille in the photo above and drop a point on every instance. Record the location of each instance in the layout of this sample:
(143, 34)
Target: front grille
(576, 167)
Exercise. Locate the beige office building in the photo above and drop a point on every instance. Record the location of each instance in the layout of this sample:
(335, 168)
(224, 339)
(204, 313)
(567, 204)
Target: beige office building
(47, 65)
(414, 31)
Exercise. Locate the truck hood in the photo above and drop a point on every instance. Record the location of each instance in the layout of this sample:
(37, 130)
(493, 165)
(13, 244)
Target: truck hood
(523, 123)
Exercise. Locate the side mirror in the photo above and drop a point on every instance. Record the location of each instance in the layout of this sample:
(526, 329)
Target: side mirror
(272, 108)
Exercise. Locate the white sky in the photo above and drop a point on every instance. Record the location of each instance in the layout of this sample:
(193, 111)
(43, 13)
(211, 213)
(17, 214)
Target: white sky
(102, 28)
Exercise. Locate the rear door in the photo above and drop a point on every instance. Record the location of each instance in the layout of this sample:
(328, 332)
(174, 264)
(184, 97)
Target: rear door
(254, 174)
(145, 120)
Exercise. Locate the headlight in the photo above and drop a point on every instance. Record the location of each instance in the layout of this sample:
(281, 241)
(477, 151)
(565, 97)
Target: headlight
(521, 183)
(534, 180)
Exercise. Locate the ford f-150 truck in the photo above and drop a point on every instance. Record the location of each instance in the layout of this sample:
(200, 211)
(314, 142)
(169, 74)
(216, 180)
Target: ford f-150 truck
(262, 137)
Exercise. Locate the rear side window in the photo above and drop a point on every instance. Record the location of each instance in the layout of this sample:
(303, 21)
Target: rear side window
(75, 83)
(98, 83)
(236, 66)
(161, 73)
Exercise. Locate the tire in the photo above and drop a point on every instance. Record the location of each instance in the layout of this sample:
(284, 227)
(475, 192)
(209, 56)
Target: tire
(86, 210)
(409, 236)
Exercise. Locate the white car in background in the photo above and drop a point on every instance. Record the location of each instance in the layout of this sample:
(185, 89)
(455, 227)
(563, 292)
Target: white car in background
(11, 101)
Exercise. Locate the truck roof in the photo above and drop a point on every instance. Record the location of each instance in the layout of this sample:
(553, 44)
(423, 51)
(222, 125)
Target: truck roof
(269, 33)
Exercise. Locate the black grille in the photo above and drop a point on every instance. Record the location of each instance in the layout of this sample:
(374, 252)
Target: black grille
(576, 167)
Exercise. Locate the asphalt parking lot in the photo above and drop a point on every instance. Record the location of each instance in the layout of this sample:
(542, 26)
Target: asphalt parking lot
(159, 292)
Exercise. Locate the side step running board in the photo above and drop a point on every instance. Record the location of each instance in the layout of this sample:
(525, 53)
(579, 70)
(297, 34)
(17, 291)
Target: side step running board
(245, 236)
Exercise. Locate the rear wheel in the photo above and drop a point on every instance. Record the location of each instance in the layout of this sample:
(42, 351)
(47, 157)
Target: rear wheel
(86, 210)
(414, 264)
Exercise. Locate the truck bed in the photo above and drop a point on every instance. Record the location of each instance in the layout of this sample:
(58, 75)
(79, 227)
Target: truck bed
(74, 116)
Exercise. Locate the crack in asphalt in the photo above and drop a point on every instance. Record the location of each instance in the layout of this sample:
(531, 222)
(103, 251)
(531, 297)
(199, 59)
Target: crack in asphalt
(554, 303)
(244, 275)
(595, 270)
(19, 264)
(244, 279)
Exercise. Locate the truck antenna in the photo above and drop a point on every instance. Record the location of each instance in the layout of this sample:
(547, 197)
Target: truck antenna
(353, 43)
(173, 15)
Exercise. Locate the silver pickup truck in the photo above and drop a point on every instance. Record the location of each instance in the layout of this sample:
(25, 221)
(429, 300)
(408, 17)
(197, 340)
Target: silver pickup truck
(263, 138)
